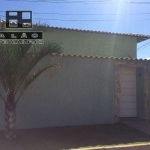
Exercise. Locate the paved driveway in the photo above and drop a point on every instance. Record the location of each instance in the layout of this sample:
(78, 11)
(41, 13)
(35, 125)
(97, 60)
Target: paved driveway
(138, 124)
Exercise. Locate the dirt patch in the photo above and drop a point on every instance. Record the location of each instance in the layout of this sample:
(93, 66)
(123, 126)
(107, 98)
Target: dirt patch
(59, 138)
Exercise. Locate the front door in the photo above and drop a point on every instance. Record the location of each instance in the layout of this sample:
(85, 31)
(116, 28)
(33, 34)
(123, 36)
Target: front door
(128, 105)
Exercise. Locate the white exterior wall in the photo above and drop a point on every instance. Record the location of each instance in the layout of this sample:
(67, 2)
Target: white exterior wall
(82, 93)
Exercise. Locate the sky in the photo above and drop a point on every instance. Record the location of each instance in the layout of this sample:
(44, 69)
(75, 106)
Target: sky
(121, 16)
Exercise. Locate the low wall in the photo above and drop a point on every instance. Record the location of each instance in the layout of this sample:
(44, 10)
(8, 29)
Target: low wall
(82, 93)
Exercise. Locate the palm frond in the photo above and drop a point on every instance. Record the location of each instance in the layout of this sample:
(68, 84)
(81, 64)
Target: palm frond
(5, 68)
(33, 58)
(30, 78)
(17, 61)
(10, 60)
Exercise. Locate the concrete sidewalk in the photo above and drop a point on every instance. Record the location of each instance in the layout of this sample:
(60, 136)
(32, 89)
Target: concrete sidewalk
(138, 124)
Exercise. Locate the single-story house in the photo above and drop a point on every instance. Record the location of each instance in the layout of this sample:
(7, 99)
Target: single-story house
(97, 83)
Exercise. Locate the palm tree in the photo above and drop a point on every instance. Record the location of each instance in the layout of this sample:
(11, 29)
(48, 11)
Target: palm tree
(16, 63)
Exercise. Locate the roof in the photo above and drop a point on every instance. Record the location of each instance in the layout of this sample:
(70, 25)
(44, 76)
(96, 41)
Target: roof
(140, 37)
(100, 57)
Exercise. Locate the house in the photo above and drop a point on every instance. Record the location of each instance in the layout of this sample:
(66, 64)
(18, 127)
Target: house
(98, 82)
(96, 43)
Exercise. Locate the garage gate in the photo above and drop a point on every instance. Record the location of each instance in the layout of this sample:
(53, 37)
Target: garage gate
(128, 103)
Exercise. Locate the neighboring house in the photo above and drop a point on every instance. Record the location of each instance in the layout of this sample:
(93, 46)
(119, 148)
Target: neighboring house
(98, 83)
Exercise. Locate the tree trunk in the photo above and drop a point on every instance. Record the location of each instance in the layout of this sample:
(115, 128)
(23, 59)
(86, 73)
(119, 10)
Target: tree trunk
(10, 117)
